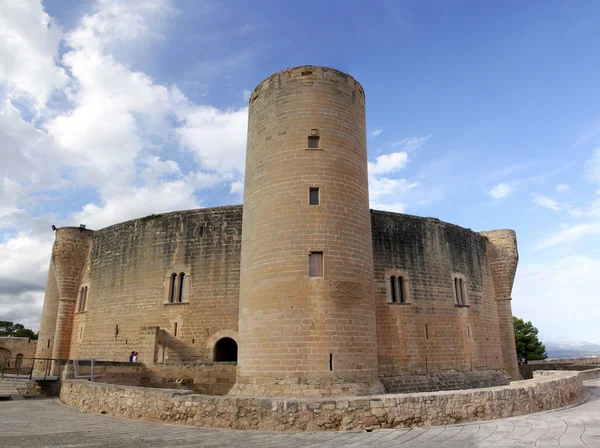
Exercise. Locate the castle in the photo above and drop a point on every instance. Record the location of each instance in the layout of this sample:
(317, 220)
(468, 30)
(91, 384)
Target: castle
(306, 288)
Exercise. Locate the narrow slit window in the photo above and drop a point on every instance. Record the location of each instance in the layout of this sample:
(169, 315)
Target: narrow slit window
(392, 288)
(461, 287)
(315, 264)
(85, 292)
(181, 287)
(313, 142)
(313, 196)
(175, 331)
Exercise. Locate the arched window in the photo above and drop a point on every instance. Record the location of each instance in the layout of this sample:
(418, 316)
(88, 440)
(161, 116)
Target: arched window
(398, 289)
(225, 350)
(460, 290)
(181, 287)
(85, 291)
(401, 297)
(173, 288)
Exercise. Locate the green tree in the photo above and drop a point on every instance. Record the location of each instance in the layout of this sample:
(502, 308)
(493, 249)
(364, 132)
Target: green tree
(11, 329)
(528, 344)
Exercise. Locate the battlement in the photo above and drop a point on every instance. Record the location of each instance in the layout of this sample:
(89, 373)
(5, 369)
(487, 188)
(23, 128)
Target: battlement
(309, 75)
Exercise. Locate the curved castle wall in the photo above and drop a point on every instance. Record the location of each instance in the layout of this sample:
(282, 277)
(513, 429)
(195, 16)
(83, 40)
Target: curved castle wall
(299, 332)
(334, 331)
(431, 333)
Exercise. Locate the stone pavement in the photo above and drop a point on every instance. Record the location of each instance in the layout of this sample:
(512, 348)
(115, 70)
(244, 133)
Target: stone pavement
(47, 423)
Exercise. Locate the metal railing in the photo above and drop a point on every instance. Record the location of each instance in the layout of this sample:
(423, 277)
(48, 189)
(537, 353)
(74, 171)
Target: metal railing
(19, 367)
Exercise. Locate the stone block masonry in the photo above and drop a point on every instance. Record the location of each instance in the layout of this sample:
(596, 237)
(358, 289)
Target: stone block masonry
(328, 414)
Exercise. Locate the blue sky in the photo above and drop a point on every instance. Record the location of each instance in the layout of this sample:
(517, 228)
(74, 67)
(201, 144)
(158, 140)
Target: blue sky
(481, 114)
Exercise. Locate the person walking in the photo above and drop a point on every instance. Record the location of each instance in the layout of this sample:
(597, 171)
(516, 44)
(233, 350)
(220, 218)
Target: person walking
(135, 355)
(131, 356)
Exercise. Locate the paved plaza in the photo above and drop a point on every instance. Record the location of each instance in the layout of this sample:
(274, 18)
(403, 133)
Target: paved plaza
(47, 423)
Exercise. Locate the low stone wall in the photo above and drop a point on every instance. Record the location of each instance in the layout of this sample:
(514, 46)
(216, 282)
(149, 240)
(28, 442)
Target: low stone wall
(526, 370)
(321, 414)
(210, 378)
(113, 372)
(443, 381)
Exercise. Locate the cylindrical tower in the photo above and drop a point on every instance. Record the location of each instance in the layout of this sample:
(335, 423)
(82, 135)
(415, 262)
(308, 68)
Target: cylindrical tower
(307, 314)
(71, 249)
(503, 257)
(45, 343)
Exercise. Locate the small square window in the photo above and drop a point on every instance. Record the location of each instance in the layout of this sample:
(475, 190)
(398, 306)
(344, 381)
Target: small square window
(313, 142)
(313, 196)
(315, 264)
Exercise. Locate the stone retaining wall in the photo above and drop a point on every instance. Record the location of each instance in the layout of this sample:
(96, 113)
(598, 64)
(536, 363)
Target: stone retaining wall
(322, 414)
(213, 378)
(443, 381)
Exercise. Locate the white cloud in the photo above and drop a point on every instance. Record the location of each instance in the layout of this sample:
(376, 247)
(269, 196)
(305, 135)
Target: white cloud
(29, 42)
(592, 167)
(376, 132)
(237, 187)
(411, 143)
(570, 234)
(218, 138)
(544, 201)
(388, 163)
(562, 187)
(384, 186)
(119, 205)
(553, 294)
(500, 191)
(395, 207)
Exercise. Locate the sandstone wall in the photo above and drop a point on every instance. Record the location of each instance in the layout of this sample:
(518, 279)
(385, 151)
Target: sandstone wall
(431, 333)
(316, 414)
(207, 378)
(128, 281)
(443, 381)
(303, 334)
(16, 346)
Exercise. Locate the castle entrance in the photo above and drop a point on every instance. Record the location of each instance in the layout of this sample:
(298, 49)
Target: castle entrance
(225, 350)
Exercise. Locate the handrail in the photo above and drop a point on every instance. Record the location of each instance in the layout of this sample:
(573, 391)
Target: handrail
(23, 369)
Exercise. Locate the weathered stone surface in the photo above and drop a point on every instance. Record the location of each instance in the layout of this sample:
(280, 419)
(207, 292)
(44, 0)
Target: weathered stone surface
(552, 391)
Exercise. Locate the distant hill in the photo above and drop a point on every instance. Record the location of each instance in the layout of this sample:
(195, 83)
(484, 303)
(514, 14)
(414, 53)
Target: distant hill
(572, 350)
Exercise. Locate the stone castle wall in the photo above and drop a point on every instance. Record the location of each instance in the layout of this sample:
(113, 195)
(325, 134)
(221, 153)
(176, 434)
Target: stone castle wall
(128, 270)
(332, 332)
(128, 276)
(11, 347)
(431, 333)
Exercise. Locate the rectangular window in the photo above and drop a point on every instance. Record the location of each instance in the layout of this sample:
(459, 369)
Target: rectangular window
(313, 142)
(315, 264)
(313, 196)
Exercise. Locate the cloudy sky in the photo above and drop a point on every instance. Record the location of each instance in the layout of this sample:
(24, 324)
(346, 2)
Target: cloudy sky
(482, 114)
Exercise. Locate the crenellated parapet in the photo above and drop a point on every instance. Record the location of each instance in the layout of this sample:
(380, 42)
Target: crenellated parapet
(503, 257)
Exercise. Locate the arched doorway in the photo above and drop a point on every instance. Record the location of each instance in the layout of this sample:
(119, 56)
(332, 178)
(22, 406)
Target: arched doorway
(5, 355)
(225, 350)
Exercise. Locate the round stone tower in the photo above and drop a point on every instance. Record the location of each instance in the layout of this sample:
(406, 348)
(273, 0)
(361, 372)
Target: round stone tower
(307, 312)
(69, 254)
